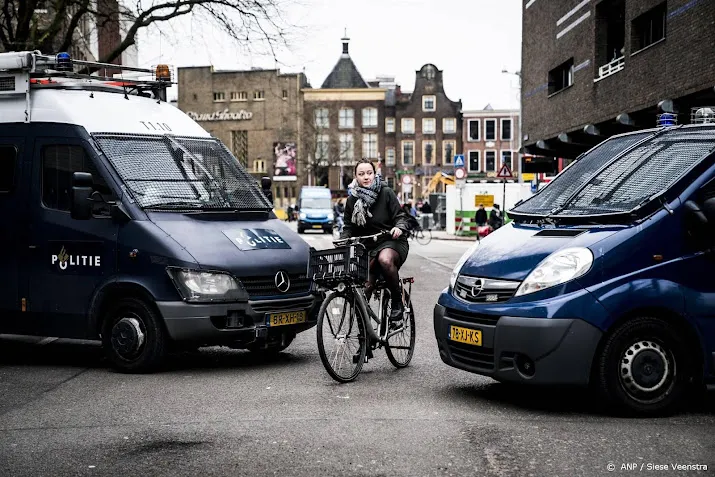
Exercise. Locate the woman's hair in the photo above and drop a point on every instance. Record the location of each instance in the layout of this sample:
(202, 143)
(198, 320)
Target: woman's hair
(364, 161)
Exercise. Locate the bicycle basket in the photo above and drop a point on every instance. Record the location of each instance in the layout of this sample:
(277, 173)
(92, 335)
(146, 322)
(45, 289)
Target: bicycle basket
(339, 264)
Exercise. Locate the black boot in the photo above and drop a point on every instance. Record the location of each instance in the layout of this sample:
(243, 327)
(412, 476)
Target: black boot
(397, 311)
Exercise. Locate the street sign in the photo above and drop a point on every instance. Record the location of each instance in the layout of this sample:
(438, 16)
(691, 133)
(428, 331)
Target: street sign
(459, 160)
(460, 173)
(406, 180)
(485, 199)
(505, 172)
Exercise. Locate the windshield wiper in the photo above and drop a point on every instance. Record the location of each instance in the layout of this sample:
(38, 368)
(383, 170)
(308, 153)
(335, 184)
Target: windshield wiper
(176, 205)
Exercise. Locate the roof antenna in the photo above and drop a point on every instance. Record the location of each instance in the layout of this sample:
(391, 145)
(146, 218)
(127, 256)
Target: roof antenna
(124, 85)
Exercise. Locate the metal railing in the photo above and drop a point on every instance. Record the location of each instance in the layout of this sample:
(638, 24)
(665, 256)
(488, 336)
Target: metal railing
(611, 68)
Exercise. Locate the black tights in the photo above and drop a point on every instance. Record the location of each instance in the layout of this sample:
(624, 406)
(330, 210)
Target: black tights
(388, 261)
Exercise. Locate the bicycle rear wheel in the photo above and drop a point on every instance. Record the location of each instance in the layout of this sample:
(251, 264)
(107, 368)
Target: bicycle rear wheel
(424, 237)
(400, 347)
(341, 337)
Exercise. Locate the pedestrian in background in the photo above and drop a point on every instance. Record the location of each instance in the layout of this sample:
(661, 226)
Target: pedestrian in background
(481, 216)
(266, 187)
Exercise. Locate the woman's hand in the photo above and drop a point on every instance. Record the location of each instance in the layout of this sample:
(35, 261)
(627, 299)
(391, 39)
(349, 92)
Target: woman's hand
(396, 232)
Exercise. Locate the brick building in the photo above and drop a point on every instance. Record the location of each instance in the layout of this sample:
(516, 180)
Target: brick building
(490, 138)
(423, 131)
(342, 122)
(257, 114)
(595, 68)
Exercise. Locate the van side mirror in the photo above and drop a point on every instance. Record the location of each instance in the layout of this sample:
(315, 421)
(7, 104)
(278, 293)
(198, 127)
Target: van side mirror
(80, 203)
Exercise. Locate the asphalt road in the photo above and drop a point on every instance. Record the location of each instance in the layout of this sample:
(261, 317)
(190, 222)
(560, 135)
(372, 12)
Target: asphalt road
(224, 412)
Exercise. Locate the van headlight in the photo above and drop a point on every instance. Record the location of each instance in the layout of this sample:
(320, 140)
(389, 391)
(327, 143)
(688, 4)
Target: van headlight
(330, 216)
(196, 286)
(461, 262)
(559, 267)
(303, 215)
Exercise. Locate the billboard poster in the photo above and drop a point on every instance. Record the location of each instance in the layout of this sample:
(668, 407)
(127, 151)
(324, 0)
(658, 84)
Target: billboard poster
(285, 161)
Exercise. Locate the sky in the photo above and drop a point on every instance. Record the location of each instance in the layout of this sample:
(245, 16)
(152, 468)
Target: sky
(471, 41)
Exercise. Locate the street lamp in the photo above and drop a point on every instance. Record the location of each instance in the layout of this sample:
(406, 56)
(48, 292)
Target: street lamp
(518, 74)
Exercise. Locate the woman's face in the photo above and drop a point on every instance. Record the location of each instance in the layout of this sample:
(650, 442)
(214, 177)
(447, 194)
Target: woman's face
(365, 174)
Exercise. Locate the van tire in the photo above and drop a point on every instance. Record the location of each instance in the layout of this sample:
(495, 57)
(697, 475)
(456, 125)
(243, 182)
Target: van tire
(644, 367)
(134, 337)
(300, 230)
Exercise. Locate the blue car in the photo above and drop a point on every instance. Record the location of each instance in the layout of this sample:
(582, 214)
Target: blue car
(605, 277)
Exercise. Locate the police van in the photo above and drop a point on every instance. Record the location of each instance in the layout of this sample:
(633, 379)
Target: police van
(125, 221)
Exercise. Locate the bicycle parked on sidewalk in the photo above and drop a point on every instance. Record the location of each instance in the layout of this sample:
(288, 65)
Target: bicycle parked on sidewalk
(348, 327)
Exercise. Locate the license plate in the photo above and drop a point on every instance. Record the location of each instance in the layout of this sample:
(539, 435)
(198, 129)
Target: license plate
(287, 318)
(465, 335)
(317, 226)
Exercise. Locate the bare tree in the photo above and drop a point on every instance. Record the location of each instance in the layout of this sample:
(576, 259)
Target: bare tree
(52, 25)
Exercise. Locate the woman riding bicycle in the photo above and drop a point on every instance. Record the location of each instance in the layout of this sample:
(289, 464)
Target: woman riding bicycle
(372, 208)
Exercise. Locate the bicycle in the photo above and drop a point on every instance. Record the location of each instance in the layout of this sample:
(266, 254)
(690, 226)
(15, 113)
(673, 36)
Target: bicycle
(346, 319)
(417, 233)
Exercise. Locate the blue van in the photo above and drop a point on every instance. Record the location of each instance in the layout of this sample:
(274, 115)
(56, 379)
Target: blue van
(606, 277)
(136, 227)
(315, 210)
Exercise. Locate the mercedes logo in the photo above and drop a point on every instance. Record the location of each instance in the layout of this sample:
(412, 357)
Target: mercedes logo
(282, 281)
(477, 287)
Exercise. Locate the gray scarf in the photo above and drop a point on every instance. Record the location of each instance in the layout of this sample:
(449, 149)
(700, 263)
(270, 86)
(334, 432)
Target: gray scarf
(366, 197)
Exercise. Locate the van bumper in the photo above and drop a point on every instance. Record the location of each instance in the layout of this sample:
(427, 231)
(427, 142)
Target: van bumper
(233, 322)
(522, 350)
(307, 224)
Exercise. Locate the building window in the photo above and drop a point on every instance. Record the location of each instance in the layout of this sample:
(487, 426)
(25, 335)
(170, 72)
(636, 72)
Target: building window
(285, 94)
(347, 148)
(369, 145)
(239, 144)
(408, 153)
(369, 118)
(490, 158)
(561, 77)
(610, 36)
(474, 165)
(389, 125)
(490, 129)
(428, 148)
(408, 126)
(429, 103)
(649, 28)
(449, 125)
(259, 166)
(474, 129)
(449, 148)
(390, 156)
(321, 118)
(391, 182)
(346, 118)
(322, 148)
(506, 130)
(219, 96)
(506, 159)
(239, 96)
(259, 95)
(8, 159)
(429, 126)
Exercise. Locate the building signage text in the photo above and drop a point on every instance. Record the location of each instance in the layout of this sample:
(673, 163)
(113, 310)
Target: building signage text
(224, 115)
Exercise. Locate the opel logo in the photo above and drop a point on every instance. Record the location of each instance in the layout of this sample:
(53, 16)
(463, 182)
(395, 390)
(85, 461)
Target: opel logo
(477, 287)
(282, 281)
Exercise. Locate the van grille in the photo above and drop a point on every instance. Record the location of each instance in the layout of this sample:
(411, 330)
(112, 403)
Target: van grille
(265, 286)
(7, 83)
(471, 356)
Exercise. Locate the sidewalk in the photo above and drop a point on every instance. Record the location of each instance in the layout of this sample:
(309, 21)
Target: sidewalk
(442, 235)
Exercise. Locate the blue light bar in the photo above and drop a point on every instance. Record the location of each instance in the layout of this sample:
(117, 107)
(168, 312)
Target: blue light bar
(667, 119)
(63, 61)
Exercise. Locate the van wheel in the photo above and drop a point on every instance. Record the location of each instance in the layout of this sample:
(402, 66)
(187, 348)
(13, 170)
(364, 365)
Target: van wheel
(644, 368)
(300, 231)
(133, 336)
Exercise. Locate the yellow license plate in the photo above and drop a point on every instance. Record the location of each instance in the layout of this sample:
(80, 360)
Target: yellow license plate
(287, 318)
(465, 335)
(317, 226)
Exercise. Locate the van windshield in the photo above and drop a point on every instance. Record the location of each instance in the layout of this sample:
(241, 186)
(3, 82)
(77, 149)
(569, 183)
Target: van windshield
(315, 203)
(168, 172)
(622, 174)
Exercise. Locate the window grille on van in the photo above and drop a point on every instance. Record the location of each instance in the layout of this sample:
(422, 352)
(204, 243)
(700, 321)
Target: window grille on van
(7, 83)
(645, 171)
(169, 172)
(573, 178)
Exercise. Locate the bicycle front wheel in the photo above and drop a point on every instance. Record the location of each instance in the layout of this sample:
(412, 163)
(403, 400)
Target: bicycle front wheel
(400, 346)
(424, 237)
(341, 337)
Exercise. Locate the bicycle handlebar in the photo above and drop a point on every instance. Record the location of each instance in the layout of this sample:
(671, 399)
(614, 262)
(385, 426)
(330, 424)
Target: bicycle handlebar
(362, 239)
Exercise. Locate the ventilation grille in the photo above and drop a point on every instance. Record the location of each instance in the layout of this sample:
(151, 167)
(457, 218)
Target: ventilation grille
(7, 83)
